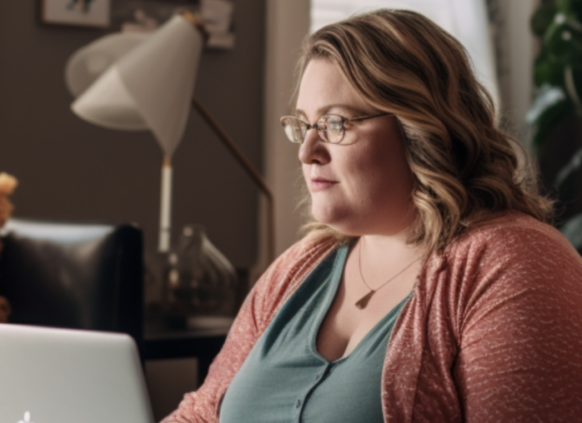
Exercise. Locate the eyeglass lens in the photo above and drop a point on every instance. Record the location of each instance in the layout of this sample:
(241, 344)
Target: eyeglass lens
(330, 129)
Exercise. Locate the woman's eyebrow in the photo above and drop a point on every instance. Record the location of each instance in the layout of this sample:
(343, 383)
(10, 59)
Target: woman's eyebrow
(323, 110)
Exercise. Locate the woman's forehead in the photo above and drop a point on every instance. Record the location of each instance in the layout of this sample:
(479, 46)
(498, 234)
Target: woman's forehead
(324, 89)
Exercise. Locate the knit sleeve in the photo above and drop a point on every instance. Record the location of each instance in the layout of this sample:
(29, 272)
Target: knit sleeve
(520, 329)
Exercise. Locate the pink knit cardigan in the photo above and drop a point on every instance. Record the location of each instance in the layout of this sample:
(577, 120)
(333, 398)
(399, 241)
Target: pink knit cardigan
(492, 333)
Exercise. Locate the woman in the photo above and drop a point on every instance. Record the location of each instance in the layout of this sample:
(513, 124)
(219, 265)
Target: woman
(430, 287)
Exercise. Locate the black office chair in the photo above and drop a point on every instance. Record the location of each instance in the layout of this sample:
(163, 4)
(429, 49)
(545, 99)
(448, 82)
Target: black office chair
(78, 276)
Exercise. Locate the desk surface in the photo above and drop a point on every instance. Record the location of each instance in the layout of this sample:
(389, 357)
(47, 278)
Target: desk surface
(203, 338)
(197, 327)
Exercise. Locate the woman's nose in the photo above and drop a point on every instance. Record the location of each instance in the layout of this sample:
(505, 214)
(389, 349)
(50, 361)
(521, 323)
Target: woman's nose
(313, 149)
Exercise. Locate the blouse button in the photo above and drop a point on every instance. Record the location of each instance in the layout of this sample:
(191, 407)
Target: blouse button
(298, 403)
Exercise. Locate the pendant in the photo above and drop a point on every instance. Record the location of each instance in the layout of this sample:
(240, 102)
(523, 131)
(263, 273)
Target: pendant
(363, 302)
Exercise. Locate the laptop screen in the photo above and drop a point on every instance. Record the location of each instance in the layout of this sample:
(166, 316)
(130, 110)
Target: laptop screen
(70, 376)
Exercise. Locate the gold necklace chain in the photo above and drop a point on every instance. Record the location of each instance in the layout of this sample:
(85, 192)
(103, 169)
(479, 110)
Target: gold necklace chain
(362, 303)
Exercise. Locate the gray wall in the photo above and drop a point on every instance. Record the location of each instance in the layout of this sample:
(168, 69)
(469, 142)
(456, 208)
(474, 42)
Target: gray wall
(71, 170)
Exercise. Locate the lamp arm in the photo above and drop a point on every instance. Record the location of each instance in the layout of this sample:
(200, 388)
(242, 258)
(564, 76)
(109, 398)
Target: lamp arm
(250, 170)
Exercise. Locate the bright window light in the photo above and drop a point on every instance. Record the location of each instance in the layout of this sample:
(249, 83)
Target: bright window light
(467, 20)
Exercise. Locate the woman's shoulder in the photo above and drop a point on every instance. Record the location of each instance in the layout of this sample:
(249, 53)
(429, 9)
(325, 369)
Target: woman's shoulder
(510, 229)
(514, 238)
(509, 265)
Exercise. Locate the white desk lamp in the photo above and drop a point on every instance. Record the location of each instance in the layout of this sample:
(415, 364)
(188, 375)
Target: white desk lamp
(134, 82)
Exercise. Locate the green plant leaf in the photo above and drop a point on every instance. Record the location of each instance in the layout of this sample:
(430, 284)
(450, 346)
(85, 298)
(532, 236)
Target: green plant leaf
(549, 107)
(548, 70)
(564, 6)
(572, 84)
(572, 229)
(547, 121)
(563, 43)
(571, 167)
(542, 18)
(569, 6)
(548, 96)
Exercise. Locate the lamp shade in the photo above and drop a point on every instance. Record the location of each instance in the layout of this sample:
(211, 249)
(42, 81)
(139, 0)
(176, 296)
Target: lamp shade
(148, 86)
(87, 64)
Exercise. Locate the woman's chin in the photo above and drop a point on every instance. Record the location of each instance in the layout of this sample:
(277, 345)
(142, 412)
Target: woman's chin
(337, 220)
(326, 215)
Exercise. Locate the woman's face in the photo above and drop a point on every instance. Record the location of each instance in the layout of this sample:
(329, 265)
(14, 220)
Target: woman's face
(361, 188)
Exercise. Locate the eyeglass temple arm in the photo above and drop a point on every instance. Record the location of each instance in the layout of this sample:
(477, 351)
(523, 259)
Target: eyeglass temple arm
(250, 170)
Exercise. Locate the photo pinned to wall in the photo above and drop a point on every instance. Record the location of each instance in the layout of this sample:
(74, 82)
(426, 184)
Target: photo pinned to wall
(147, 15)
(94, 13)
(217, 17)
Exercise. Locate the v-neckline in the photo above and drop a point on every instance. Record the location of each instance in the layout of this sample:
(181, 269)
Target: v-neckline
(335, 278)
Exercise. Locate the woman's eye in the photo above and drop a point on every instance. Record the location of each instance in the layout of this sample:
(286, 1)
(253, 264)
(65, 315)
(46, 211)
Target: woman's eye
(334, 125)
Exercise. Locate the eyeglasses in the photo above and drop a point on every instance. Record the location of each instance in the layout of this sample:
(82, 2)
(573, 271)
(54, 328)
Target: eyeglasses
(331, 128)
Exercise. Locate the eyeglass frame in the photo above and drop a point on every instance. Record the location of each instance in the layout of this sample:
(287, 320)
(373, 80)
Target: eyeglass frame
(344, 120)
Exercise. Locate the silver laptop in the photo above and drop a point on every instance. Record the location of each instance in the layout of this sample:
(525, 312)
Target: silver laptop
(70, 376)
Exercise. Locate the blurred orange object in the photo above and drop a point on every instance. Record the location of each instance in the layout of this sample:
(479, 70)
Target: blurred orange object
(7, 185)
(5, 310)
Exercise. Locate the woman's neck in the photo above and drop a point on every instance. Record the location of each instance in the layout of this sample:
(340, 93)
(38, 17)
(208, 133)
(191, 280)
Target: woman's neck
(380, 254)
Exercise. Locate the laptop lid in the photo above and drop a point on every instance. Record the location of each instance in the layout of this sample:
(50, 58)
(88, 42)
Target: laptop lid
(70, 376)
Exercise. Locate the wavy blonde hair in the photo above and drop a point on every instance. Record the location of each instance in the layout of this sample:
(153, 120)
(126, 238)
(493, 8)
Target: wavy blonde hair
(465, 169)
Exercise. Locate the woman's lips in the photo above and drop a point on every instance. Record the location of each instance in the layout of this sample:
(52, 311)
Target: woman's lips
(320, 184)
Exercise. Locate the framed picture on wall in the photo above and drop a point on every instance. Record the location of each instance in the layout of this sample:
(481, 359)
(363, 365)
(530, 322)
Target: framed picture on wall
(94, 13)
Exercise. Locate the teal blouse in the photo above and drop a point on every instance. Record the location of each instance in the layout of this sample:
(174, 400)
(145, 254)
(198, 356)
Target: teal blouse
(284, 379)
